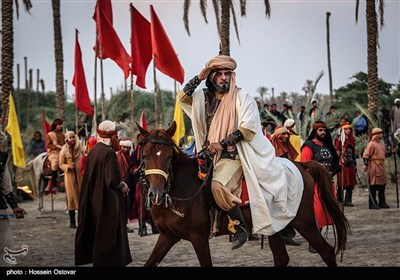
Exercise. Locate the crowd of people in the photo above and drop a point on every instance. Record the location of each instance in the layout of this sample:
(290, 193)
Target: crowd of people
(101, 174)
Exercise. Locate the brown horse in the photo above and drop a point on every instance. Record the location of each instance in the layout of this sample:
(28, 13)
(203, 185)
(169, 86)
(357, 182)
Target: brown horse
(181, 211)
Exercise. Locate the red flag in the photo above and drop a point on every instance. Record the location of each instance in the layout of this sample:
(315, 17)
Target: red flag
(106, 7)
(46, 128)
(140, 46)
(165, 57)
(110, 43)
(143, 122)
(82, 100)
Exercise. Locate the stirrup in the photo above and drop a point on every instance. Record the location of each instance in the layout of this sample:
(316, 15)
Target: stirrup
(239, 237)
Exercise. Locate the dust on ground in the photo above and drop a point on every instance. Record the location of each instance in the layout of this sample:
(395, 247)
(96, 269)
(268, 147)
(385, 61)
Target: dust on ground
(374, 240)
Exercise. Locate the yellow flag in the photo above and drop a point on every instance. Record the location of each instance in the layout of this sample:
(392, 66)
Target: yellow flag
(180, 124)
(16, 141)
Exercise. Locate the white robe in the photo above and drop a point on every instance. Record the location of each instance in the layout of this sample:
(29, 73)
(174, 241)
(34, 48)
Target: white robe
(275, 185)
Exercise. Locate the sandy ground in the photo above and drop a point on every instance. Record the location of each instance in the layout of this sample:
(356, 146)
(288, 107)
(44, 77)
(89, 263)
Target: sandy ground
(373, 242)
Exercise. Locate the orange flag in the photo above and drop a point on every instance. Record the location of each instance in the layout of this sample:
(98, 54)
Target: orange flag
(140, 46)
(165, 57)
(82, 100)
(110, 43)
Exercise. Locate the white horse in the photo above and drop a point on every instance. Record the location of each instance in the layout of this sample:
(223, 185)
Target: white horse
(39, 180)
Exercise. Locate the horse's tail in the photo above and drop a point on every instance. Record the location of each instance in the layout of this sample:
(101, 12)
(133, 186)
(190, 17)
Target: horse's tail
(32, 177)
(329, 203)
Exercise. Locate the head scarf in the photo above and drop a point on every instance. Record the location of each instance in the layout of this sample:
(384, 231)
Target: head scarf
(223, 122)
(318, 124)
(126, 142)
(344, 125)
(282, 148)
(375, 133)
(107, 134)
(289, 124)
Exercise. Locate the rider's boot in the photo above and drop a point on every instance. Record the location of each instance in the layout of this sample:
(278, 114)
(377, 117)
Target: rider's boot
(72, 222)
(240, 231)
(53, 184)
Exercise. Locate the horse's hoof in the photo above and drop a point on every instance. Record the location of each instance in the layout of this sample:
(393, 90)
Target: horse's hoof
(72, 225)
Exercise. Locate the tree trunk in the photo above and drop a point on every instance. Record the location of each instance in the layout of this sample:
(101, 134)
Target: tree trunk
(372, 34)
(225, 22)
(328, 44)
(7, 57)
(58, 49)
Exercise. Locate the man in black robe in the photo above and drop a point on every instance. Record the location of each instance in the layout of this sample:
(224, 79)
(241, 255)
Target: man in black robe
(102, 237)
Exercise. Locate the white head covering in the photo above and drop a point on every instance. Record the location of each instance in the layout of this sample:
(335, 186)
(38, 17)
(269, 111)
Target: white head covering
(397, 99)
(107, 126)
(126, 143)
(288, 123)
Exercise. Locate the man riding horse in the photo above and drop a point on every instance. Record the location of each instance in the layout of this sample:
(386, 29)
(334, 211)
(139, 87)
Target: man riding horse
(226, 121)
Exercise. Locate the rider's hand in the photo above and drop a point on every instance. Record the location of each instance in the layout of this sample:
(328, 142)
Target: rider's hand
(204, 74)
(214, 147)
(19, 212)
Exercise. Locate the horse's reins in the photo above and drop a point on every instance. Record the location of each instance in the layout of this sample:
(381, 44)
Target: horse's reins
(168, 198)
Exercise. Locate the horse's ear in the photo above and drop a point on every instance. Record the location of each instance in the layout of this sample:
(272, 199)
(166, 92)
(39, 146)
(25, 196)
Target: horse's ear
(171, 130)
(142, 131)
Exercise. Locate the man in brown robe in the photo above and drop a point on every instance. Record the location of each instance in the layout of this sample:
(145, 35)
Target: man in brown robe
(102, 237)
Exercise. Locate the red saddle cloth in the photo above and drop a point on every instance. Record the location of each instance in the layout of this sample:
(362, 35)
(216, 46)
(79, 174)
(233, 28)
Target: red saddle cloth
(245, 195)
(47, 168)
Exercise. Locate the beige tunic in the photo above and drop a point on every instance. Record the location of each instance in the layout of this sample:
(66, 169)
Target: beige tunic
(72, 183)
(375, 153)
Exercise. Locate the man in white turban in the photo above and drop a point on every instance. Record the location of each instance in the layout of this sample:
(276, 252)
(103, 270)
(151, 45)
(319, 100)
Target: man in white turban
(226, 122)
(102, 237)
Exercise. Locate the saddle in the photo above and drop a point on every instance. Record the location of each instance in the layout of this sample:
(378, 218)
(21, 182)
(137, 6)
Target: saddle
(47, 168)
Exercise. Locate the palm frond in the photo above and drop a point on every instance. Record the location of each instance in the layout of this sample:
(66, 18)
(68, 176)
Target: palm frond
(357, 8)
(381, 13)
(267, 8)
(235, 22)
(243, 7)
(217, 18)
(203, 7)
(186, 6)
(364, 111)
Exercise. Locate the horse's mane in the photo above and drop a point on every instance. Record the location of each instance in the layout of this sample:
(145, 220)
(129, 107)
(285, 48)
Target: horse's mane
(162, 134)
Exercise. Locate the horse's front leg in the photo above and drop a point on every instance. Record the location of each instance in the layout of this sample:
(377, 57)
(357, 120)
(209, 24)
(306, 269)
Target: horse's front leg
(163, 245)
(278, 249)
(201, 246)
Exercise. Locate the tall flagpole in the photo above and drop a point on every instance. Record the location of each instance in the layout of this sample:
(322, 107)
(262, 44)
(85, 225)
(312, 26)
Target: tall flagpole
(94, 120)
(132, 82)
(155, 93)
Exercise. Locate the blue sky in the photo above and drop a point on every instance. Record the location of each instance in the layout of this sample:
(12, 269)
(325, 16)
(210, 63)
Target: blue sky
(281, 52)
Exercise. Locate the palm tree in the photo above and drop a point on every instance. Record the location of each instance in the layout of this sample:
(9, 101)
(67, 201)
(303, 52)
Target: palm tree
(372, 44)
(310, 87)
(7, 50)
(59, 56)
(223, 10)
(262, 91)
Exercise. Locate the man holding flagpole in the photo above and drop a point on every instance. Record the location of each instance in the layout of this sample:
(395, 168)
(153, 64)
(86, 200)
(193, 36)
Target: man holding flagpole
(6, 189)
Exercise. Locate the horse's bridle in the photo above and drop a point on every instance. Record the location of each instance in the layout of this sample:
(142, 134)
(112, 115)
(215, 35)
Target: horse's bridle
(143, 173)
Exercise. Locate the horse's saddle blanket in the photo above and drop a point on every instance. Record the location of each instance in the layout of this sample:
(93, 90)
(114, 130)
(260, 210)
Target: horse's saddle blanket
(47, 168)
